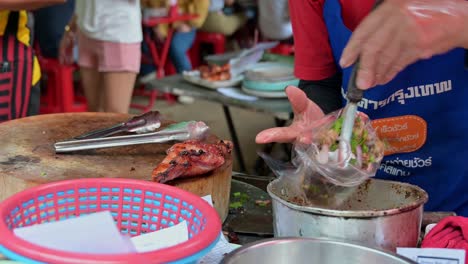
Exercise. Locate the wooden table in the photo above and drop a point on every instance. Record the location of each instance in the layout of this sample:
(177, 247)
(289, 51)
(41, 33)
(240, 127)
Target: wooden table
(28, 157)
(278, 108)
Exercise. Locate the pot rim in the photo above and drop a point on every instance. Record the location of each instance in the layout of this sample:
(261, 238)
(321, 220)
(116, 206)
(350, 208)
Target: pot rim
(355, 213)
(231, 256)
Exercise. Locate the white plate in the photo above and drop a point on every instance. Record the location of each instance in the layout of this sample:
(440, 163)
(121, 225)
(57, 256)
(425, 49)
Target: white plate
(270, 72)
(194, 77)
(265, 94)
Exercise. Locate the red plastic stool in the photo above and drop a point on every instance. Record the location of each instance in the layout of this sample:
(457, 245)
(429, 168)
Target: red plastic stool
(152, 96)
(59, 92)
(217, 40)
(283, 49)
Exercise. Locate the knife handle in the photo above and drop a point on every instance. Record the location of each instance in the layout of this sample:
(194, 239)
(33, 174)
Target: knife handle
(354, 94)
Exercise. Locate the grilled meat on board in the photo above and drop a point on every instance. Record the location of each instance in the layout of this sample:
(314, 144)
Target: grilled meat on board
(191, 158)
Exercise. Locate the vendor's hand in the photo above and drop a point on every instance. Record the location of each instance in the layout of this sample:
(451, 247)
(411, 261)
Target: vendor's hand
(305, 111)
(67, 44)
(400, 32)
(184, 28)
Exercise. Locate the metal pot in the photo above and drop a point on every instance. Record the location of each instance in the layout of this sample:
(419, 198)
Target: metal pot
(309, 250)
(377, 213)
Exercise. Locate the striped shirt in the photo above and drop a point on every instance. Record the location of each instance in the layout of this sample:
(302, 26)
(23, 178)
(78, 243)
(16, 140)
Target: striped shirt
(24, 35)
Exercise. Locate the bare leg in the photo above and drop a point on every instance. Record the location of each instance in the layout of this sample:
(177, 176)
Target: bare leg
(118, 90)
(90, 79)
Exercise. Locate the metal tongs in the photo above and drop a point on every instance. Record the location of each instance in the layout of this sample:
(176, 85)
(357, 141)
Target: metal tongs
(96, 139)
(147, 122)
(354, 95)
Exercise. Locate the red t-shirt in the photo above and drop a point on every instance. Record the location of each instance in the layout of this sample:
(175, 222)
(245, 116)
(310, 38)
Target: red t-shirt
(313, 54)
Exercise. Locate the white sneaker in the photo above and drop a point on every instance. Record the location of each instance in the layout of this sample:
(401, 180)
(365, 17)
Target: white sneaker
(145, 79)
(185, 99)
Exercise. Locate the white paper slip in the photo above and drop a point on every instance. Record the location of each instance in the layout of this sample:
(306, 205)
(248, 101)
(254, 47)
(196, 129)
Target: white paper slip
(236, 93)
(221, 248)
(163, 238)
(219, 251)
(94, 234)
(208, 199)
(434, 255)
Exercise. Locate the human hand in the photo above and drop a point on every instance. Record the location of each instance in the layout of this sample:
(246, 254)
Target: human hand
(400, 32)
(183, 27)
(305, 111)
(67, 43)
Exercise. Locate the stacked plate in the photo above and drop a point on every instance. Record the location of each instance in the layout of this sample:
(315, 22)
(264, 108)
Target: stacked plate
(269, 79)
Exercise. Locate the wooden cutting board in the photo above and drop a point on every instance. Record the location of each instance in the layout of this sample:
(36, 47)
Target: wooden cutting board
(28, 158)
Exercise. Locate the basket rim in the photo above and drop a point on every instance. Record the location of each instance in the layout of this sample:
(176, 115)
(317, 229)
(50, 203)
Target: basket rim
(169, 254)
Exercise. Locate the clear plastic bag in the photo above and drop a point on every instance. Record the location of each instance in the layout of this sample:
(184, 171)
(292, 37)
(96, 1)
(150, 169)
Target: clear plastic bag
(319, 173)
(360, 159)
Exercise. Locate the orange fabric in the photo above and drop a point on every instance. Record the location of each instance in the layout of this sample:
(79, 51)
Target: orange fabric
(402, 134)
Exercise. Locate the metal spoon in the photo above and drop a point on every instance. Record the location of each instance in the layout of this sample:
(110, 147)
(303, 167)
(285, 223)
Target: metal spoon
(354, 95)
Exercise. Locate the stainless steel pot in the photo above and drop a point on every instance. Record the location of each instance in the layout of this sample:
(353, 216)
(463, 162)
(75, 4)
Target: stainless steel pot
(309, 250)
(378, 213)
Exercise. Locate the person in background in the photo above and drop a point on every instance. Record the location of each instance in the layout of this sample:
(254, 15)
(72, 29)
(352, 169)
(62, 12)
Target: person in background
(49, 23)
(412, 55)
(247, 36)
(20, 71)
(185, 31)
(219, 22)
(109, 37)
(273, 20)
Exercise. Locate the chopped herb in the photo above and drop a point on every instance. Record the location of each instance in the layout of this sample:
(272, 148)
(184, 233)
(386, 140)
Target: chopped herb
(365, 149)
(244, 198)
(235, 205)
(361, 137)
(262, 202)
(338, 124)
(354, 143)
(314, 188)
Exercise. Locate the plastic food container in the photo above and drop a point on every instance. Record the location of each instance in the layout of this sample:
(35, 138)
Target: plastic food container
(137, 207)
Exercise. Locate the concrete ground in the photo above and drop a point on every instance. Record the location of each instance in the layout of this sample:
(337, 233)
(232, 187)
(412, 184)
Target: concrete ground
(247, 123)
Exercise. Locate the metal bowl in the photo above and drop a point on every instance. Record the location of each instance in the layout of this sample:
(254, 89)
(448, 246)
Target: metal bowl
(377, 213)
(310, 250)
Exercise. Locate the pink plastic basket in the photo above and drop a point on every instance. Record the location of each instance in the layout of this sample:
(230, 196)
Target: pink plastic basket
(137, 207)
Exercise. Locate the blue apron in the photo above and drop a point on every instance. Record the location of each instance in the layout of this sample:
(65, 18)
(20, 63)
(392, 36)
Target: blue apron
(436, 90)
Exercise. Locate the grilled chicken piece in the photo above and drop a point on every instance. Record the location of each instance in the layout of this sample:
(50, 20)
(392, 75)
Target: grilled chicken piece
(191, 158)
